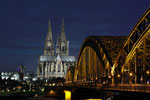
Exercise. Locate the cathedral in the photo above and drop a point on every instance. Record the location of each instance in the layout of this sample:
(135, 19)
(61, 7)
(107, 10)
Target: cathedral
(56, 60)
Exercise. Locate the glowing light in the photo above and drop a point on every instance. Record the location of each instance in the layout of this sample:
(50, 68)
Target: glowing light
(34, 79)
(67, 95)
(109, 76)
(6, 78)
(42, 89)
(93, 99)
(131, 74)
(53, 84)
(124, 70)
(12, 78)
(19, 87)
(147, 72)
(118, 75)
(51, 92)
(2, 73)
(104, 82)
(3, 77)
(96, 78)
(14, 88)
(46, 84)
(50, 84)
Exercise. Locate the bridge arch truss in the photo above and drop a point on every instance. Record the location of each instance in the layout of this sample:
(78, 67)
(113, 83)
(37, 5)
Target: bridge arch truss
(133, 60)
(116, 59)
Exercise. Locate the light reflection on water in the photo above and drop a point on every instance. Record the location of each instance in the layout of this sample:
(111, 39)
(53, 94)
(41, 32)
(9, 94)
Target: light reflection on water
(91, 99)
(67, 97)
(42, 99)
(57, 99)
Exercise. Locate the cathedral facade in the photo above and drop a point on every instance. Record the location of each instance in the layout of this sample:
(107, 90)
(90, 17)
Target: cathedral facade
(56, 60)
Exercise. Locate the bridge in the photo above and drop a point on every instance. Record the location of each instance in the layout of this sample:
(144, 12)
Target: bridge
(116, 63)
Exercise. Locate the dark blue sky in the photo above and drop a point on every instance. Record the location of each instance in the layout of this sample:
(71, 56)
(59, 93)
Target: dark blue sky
(24, 25)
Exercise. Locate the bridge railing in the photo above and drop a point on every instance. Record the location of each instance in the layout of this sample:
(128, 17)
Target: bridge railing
(130, 87)
(145, 88)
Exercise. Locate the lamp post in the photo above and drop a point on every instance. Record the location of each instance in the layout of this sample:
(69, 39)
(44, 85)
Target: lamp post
(147, 72)
(131, 74)
(147, 76)
(130, 77)
(118, 76)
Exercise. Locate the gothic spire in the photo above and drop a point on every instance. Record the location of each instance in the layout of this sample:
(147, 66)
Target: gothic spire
(63, 36)
(58, 45)
(57, 42)
(49, 45)
(49, 34)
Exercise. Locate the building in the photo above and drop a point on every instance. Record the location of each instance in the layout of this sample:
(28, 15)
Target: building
(10, 75)
(55, 62)
(29, 76)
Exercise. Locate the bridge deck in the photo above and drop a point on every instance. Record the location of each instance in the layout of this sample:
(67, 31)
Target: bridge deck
(144, 88)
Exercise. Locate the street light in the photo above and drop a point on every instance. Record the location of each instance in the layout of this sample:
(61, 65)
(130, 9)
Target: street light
(147, 72)
(131, 74)
(125, 70)
(118, 75)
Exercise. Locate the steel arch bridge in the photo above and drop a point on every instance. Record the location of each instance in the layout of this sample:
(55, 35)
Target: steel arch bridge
(94, 62)
(115, 59)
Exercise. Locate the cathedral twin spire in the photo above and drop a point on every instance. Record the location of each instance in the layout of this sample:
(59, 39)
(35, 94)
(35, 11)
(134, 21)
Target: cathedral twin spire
(49, 34)
(63, 36)
(62, 46)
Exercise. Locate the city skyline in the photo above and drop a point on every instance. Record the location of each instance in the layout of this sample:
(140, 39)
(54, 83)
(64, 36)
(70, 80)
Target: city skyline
(24, 25)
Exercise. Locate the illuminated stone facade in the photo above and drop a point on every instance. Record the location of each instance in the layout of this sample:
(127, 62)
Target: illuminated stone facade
(55, 64)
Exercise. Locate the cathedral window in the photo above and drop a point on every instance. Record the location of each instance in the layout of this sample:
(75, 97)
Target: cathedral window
(49, 49)
(63, 48)
(63, 68)
(40, 69)
(54, 69)
(45, 47)
(50, 68)
(58, 67)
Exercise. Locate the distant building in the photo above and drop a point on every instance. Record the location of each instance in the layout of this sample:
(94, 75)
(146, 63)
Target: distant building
(10, 75)
(55, 64)
(20, 75)
(22, 69)
(16, 76)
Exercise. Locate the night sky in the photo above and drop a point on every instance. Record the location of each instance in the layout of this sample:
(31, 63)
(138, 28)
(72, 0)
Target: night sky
(24, 25)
